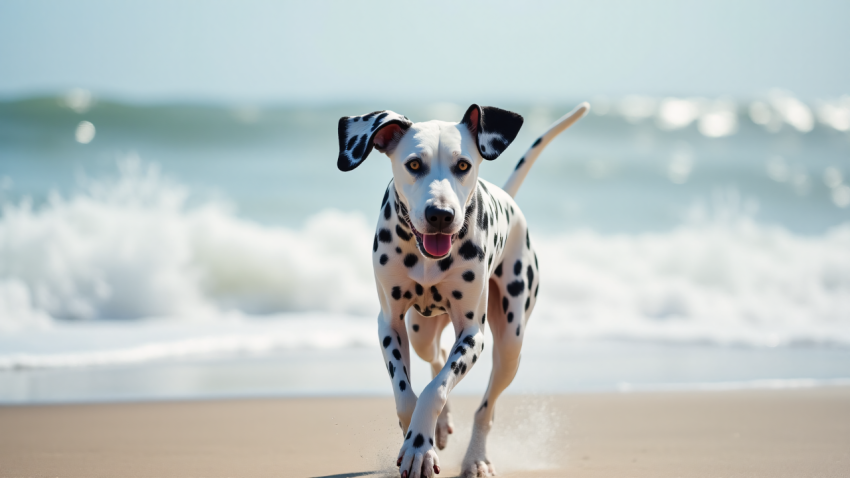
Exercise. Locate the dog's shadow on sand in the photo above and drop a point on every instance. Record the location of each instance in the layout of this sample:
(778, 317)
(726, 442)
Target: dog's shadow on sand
(349, 475)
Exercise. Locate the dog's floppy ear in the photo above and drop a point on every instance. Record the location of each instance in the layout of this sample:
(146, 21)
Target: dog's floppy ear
(493, 129)
(358, 134)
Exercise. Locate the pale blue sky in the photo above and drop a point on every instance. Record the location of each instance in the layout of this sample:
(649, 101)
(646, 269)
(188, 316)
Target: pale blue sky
(432, 51)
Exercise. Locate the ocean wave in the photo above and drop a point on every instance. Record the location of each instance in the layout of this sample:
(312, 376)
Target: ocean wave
(134, 248)
(96, 344)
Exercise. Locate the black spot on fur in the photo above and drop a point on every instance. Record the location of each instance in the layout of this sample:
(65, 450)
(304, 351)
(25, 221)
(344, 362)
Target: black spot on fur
(407, 294)
(375, 244)
(457, 294)
(460, 350)
(398, 250)
(517, 329)
(527, 239)
(536, 290)
(387, 341)
(517, 267)
(391, 369)
(402, 234)
(358, 151)
(479, 203)
(404, 369)
(498, 270)
(416, 327)
(419, 289)
(504, 304)
(418, 441)
(535, 262)
(527, 302)
(469, 250)
(490, 261)
(516, 287)
(416, 306)
(470, 315)
(520, 163)
(351, 145)
(387, 212)
(469, 340)
(537, 143)
(483, 406)
(384, 235)
(396, 293)
(383, 260)
(483, 318)
(445, 263)
(409, 434)
(401, 316)
(410, 260)
(386, 194)
(510, 317)
(396, 354)
(463, 369)
(431, 441)
(402, 385)
(474, 358)
(495, 240)
(453, 365)
(468, 276)
(529, 274)
(378, 120)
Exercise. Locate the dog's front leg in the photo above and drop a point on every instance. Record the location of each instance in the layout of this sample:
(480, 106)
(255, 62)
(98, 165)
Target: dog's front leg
(395, 348)
(418, 457)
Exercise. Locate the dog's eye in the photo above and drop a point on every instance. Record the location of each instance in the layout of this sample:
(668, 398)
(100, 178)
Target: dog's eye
(414, 165)
(462, 166)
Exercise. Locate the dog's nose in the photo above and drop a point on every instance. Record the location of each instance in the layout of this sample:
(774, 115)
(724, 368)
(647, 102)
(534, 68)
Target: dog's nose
(439, 217)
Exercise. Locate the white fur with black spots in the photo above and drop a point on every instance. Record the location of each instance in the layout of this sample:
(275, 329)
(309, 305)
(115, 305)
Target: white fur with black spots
(449, 248)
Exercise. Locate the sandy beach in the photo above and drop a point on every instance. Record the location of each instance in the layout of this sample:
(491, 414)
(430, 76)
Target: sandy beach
(770, 433)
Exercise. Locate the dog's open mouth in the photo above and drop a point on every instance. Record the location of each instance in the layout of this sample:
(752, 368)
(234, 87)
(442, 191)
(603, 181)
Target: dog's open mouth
(434, 245)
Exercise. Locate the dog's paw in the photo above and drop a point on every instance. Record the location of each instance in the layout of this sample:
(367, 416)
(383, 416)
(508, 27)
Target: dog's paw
(445, 427)
(477, 468)
(417, 457)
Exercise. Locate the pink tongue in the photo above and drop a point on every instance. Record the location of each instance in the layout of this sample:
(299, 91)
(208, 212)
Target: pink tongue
(437, 244)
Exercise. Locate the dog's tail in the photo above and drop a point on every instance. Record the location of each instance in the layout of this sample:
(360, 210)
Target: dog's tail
(521, 170)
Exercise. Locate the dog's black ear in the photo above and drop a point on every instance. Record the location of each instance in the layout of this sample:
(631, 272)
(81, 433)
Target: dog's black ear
(493, 129)
(358, 134)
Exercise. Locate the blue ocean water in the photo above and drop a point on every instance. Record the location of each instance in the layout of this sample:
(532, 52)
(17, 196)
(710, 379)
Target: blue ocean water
(184, 240)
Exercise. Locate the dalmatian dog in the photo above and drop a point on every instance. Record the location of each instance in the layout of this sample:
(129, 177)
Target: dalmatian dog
(449, 248)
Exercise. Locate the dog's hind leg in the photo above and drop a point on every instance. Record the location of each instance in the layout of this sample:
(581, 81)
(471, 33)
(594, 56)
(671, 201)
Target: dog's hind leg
(424, 333)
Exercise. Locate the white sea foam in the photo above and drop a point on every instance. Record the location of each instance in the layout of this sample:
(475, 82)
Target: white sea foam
(133, 248)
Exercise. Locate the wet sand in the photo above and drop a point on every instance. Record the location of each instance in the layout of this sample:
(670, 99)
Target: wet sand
(769, 433)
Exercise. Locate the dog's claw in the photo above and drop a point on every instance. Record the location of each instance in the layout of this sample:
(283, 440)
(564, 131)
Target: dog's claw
(398, 463)
(404, 474)
(437, 469)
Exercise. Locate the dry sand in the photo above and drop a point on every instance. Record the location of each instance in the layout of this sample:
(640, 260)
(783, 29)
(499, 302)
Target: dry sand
(777, 433)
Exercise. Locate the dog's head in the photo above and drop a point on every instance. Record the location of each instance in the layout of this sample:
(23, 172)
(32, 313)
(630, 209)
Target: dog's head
(435, 163)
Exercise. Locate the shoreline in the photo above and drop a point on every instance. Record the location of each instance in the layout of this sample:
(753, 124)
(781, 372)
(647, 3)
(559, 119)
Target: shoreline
(767, 432)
